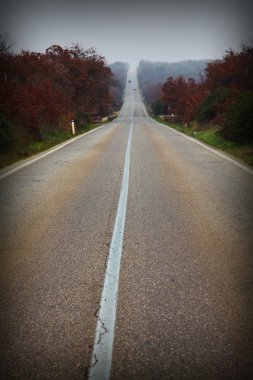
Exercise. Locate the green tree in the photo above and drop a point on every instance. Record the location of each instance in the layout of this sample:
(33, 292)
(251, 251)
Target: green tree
(238, 119)
(157, 107)
(213, 104)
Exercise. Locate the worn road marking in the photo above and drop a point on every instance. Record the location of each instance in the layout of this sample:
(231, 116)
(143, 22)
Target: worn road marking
(103, 344)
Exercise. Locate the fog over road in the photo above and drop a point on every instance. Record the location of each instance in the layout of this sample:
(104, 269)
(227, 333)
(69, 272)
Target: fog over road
(185, 303)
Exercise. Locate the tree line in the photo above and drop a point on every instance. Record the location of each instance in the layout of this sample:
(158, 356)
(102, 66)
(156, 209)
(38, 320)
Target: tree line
(119, 70)
(222, 97)
(157, 72)
(42, 92)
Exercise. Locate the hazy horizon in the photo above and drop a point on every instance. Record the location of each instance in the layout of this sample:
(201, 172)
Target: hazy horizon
(163, 31)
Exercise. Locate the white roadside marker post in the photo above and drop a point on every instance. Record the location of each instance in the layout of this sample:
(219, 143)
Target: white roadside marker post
(73, 127)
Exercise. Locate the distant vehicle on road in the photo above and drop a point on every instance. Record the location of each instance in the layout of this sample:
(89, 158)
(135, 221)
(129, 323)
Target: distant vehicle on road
(129, 81)
(134, 89)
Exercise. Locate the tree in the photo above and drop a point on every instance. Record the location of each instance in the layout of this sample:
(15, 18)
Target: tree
(43, 92)
(157, 107)
(6, 43)
(235, 70)
(238, 119)
(183, 96)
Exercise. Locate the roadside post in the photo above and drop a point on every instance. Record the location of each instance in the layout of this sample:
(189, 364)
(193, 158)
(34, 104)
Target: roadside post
(73, 127)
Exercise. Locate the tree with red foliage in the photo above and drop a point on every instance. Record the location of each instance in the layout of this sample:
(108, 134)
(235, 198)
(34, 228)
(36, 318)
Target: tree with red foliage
(234, 71)
(40, 92)
(183, 97)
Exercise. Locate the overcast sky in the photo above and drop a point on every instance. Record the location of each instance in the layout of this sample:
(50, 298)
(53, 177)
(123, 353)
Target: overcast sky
(128, 31)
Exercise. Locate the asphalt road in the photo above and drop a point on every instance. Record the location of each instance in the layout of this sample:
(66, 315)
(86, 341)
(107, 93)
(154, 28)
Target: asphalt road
(185, 305)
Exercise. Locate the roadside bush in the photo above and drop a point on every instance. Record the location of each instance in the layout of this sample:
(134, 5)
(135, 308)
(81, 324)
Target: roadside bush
(213, 104)
(157, 107)
(81, 119)
(238, 119)
(6, 135)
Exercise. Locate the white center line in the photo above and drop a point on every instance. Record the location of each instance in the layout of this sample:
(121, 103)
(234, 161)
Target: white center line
(103, 345)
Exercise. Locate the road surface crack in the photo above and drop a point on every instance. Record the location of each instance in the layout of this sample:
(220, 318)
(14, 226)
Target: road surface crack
(94, 357)
(102, 333)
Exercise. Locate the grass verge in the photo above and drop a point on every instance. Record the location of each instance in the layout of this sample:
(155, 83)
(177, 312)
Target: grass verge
(48, 141)
(211, 137)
